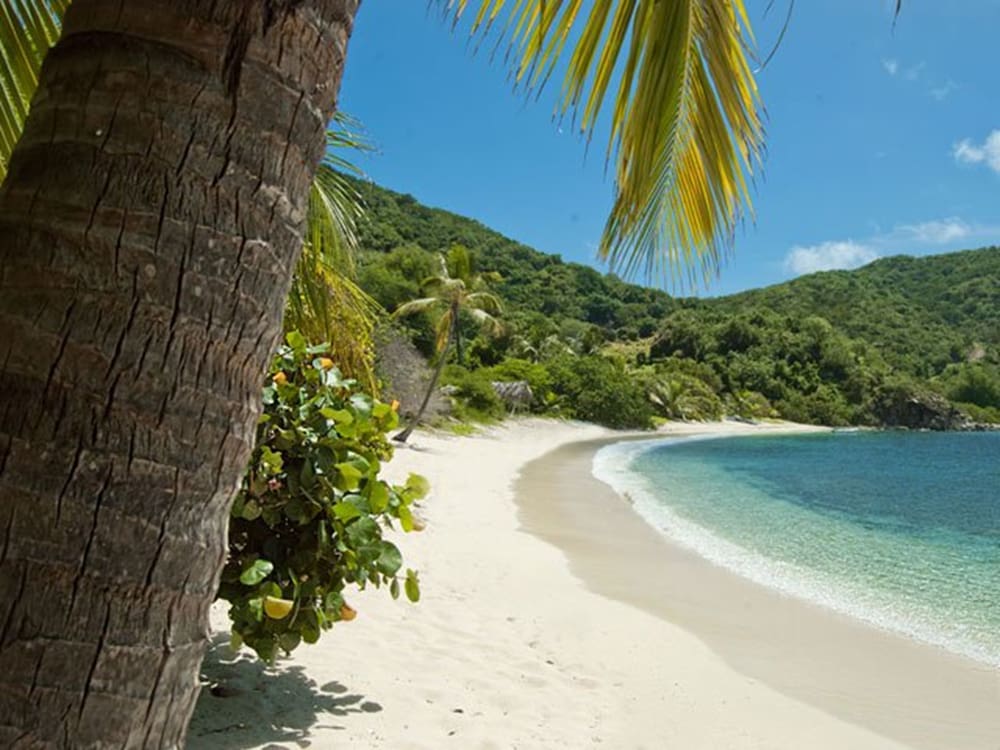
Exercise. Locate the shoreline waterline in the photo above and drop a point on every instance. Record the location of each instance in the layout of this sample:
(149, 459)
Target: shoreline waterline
(896, 686)
(615, 465)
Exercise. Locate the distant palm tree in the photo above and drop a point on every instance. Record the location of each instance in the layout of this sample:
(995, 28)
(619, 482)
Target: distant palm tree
(456, 290)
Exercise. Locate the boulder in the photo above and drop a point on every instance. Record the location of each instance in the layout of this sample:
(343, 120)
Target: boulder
(920, 410)
(516, 394)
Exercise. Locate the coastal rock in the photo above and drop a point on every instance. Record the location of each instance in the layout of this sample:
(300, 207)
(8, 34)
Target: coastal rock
(516, 394)
(920, 410)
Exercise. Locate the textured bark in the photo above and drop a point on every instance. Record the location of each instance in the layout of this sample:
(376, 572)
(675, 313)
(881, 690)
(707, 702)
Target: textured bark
(149, 225)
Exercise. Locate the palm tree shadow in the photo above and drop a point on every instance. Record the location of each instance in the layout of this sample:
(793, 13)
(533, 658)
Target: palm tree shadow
(243, 703)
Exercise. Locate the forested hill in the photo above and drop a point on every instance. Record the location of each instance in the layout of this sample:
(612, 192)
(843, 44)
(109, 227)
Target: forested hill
(836, 347)
(532, 280)
(922, 313)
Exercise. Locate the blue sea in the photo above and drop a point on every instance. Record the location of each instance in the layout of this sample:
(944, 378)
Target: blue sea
(899, 529)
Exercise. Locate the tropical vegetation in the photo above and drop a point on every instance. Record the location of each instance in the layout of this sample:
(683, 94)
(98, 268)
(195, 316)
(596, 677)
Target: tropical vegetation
(823, 348)
(309, 517)
(170, 174)
(453, 293)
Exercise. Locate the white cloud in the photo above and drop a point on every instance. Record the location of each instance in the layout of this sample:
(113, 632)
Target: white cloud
(828, 256)
(942, 92)
(891, 66)
(988, 152)
(913, 73)
(935, 232)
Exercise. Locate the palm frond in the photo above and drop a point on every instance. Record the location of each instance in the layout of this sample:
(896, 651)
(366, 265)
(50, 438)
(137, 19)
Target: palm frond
(443, 286)
(458, 262)
(487, 323)
(685, 126)
(417, 306)
(485, 301)
(325, 304)
(28, 28)
(444, 327)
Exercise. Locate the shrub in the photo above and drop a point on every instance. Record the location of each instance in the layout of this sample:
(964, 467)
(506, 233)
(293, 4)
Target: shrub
(474, 395)
(308, 519)
(595, 390)
(534, 373)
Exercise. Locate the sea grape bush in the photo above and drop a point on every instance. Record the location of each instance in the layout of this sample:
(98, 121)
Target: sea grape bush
(309, 516)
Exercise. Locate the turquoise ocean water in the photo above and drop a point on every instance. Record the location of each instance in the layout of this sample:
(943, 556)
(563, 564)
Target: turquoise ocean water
(899, 529)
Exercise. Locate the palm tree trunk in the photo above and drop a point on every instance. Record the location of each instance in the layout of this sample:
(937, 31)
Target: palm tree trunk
(149, 225)
(458, 342)
(404, 435)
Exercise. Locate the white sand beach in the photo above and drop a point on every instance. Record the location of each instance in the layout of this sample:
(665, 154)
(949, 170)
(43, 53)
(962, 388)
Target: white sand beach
(518, 641)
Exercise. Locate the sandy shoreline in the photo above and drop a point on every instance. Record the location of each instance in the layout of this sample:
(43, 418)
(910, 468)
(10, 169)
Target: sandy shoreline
(571, 642)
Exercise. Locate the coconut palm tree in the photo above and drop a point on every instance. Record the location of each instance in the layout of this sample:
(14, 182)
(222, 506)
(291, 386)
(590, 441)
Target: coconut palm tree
(455, 291)
(155, 202)
(324, 303)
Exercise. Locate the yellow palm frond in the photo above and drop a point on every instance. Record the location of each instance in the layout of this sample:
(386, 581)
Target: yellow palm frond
(417, 306)
(28, 28)
(443, 329)
(485, 301)
(325, 304)
(486, 322)
(685, 124)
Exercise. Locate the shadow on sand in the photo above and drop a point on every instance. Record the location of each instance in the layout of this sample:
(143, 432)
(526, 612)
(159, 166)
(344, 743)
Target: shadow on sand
(244, 703)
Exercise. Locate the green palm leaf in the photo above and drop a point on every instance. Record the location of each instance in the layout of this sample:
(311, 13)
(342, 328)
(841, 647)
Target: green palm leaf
(417, 306)
(324, 302)
(28, 28)
(686, 132)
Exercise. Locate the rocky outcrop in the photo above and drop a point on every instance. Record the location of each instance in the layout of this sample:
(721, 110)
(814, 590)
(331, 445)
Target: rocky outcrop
(516, 394)
(406, 374)
(920, 410)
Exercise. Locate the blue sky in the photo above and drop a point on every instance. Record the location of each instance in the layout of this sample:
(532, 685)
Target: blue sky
(880, 141)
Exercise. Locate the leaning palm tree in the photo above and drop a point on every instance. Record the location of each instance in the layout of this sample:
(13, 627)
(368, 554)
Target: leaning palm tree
(151, 218)
(455, 291)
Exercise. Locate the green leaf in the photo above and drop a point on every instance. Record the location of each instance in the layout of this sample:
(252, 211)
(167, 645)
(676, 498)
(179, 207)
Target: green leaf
(405, 518)
(256, 572)
(394, 588)
(362, 532)
(418, 486)
(333, 602)
(289, 641)
(362, 404)
(271, 460)
(308, 474)
(256, 606)
(346, 511)
(390, 560)
(340, 416)
(270, 589)
(350, 475)
(251, 510)
(297, 341)
(378, 496)
(412, 586)
(309, 626)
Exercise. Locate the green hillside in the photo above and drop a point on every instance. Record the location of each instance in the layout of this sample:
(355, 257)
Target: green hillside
(921, 313)
(840, 347)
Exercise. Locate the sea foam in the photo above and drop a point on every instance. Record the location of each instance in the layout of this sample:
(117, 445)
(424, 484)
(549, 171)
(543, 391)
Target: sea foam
(614, 465)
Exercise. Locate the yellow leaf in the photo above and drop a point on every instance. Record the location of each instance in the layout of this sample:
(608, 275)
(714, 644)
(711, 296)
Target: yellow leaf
(277, 609)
